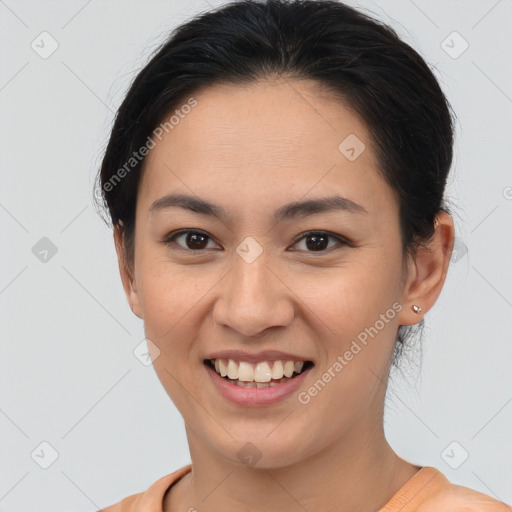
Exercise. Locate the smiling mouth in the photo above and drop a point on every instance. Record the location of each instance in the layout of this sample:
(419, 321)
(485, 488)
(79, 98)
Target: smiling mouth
(263, 374)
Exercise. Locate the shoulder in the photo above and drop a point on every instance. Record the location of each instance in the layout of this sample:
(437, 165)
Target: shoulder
(457, 498)
(152, 498)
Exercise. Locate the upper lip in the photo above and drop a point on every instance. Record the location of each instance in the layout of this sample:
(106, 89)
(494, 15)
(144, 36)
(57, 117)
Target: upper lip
(254, 357)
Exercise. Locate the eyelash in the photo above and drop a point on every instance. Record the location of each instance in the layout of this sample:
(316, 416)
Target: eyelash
(170, 239)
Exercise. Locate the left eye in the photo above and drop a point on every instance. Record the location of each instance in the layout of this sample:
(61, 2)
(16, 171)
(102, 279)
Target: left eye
(318, 241)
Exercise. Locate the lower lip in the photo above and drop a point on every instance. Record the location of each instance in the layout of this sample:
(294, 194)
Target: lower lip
(255, 396)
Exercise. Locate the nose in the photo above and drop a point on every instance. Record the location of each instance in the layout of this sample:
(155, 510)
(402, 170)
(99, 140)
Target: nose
(253, 298)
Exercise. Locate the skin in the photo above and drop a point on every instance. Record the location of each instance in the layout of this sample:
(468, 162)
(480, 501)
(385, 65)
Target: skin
(251, 149)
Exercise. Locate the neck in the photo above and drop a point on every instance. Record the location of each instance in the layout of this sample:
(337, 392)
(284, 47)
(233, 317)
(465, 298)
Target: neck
(360, 472)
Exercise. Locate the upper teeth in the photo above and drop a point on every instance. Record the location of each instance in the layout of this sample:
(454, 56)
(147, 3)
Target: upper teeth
(263, 371)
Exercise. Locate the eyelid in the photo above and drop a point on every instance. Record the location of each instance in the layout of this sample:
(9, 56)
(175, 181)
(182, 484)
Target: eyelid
(168, 239)
(342, 240)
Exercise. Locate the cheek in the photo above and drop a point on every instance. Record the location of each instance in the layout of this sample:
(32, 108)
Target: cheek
(347, 299)
(170, 298)
(354, 314)
(170, 301)
(354, 311)
(168, 293)
(174, 296)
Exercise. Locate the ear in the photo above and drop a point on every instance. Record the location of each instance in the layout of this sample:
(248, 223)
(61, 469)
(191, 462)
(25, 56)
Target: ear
(127, 276)
(427, 271)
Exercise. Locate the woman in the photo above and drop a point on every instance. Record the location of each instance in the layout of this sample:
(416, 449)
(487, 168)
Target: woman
(275, 178)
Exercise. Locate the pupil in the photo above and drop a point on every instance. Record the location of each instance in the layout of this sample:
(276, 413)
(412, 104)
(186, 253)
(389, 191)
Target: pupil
(319, 242)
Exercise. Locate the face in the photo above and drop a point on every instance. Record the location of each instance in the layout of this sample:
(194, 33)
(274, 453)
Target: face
(269, 271)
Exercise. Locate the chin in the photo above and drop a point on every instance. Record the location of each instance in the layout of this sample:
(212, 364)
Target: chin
(262, 452)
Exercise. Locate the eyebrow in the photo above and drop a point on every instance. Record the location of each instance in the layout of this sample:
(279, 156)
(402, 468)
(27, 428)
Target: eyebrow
(288, 211)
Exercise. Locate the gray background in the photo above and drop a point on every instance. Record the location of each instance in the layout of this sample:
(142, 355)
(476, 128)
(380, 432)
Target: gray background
(68, 373)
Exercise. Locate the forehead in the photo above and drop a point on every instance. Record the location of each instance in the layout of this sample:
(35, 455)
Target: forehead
(276, 139)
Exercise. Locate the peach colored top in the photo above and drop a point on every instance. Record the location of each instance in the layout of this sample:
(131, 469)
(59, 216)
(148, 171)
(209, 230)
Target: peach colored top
(427, 491)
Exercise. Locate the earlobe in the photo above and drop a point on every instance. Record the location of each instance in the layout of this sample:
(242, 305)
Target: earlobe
(127, 277)
(427, 271)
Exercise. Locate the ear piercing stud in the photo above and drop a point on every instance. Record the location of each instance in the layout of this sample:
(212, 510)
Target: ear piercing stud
(416, 309)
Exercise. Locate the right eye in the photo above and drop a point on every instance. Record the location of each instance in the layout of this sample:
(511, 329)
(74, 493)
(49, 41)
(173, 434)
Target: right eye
(192, 240)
